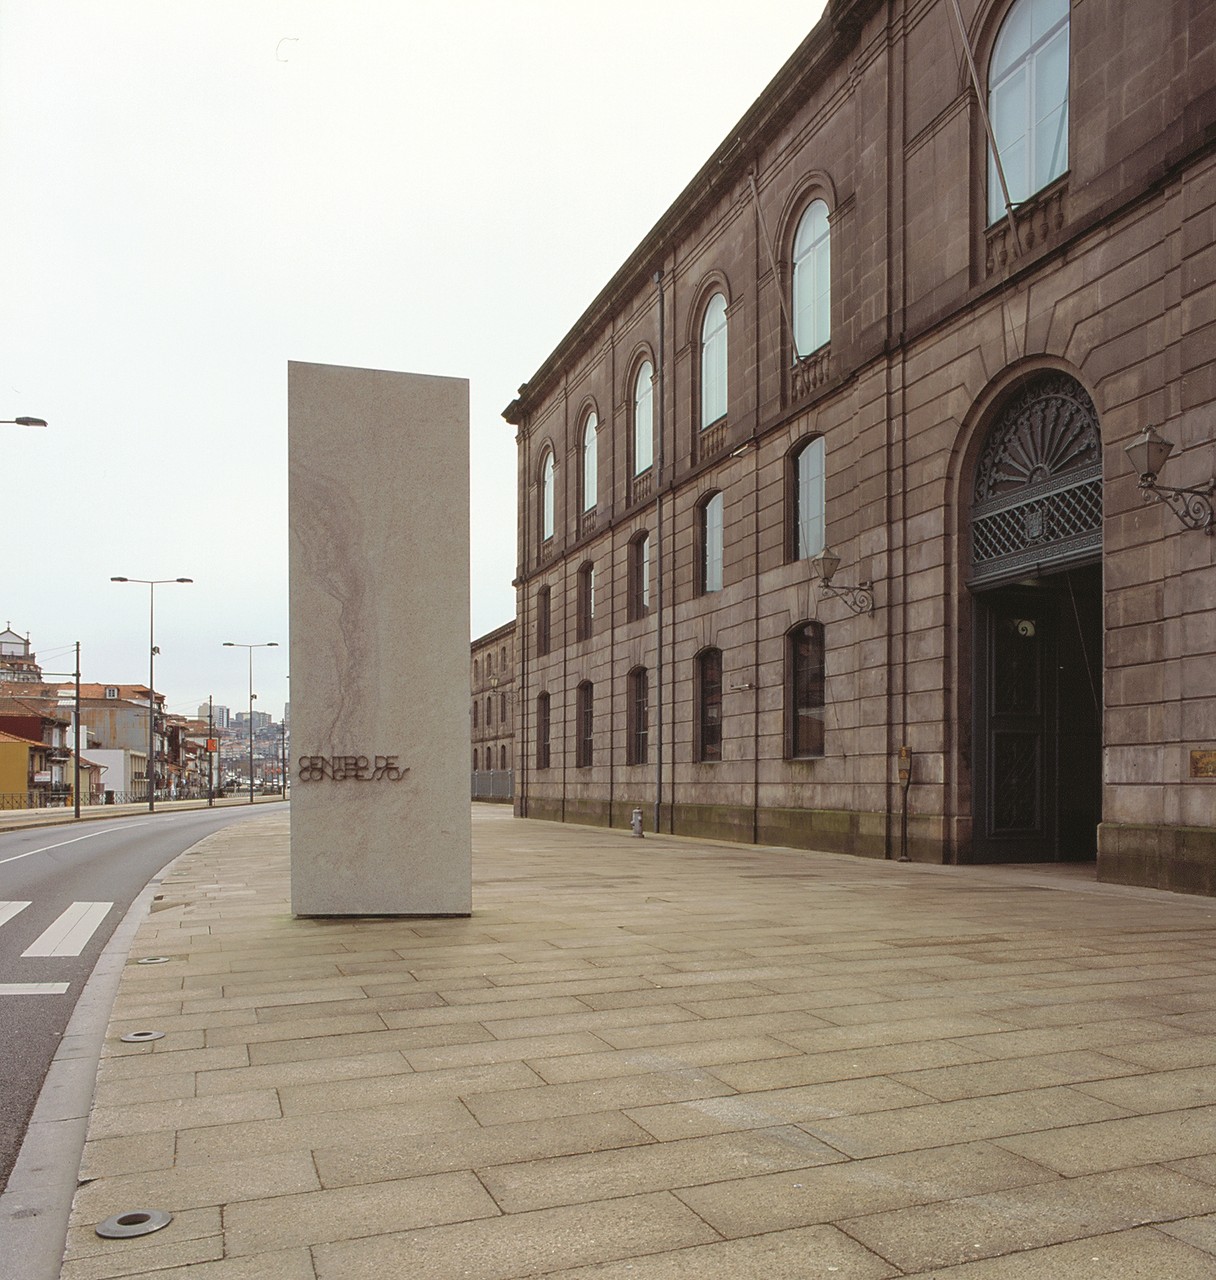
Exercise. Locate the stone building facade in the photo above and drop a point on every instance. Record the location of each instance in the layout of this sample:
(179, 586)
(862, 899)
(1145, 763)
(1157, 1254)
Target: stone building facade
(492, 689)
(857, 332)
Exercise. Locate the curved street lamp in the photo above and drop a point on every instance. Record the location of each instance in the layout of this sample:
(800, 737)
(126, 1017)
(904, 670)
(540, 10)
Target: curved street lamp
(23, 422)
(236, 644)
(151, 584)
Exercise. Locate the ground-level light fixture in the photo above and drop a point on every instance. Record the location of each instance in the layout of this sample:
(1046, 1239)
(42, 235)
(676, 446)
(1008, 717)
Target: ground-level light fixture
(1148, 453)
(859, 598)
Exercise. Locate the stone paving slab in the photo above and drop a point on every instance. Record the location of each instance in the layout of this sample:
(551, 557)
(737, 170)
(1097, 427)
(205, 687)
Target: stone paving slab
(657, 1060)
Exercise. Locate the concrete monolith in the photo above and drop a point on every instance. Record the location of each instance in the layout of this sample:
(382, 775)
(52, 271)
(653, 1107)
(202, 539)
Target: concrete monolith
(379, 518)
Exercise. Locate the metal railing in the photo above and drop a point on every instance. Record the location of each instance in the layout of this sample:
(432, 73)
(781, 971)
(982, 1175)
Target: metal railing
(42, 799)
(493, 784)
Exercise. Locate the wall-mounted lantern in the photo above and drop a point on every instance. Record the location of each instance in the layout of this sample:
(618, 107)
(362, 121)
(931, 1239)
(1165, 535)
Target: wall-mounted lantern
(1148, 453)
(859, 598)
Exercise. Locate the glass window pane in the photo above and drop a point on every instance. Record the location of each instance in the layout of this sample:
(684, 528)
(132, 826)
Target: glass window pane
(711, 573)
(709, 672)
(809, 499)
(643, 420)
(1045, 14)
(713, 361)
(812, 279)
(1014, 39)
(806, 691)
(547, 497)
(644, 553)
(1028, 100)
(590, 463)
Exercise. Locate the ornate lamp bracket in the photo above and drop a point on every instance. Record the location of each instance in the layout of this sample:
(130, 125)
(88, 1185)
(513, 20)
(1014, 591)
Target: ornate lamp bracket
(1193, 506)
(859, 598)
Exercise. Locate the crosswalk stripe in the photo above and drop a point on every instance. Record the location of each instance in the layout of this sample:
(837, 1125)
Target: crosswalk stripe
(33, 988)
(69, 935)
(9, 909)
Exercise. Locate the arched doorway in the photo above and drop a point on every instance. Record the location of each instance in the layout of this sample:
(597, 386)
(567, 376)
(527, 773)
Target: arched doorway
(1036, 577)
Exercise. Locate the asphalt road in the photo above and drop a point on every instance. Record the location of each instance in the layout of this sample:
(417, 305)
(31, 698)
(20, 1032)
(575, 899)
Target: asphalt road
(63, 890)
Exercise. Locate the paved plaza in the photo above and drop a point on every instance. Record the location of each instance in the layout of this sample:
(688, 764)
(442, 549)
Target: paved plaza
(657, 1059)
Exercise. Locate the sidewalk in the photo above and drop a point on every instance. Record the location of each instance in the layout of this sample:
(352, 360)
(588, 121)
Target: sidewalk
(658, 1060)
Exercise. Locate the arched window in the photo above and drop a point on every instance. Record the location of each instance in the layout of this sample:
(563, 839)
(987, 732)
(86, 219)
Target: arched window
(475, 715)
(590, 464)
(637, 717)
(476, 671)
(639, 576)
(711, 543)
(709, 705)
(806, 504)
(812, 280)
(546, 496)
(502, 757)
(713, 361)
(1028, 101)
(489, 712)
(643, 419)
(542, 730)
(584, 724)
(502, 660)
(543, 599)
(804, 698)
(585, 601)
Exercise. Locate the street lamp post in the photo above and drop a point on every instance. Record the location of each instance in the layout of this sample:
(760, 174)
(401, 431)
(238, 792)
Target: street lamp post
(236, 644)
(23, 422)
(152, 584)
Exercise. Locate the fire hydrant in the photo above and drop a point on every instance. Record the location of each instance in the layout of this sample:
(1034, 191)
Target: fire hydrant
(636, 823)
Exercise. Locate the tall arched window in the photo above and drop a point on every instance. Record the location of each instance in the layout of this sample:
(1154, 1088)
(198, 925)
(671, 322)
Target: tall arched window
(643, 419)
(804, 697)
(543, 601)
(637, 717)
(713, 361)
(590, 464)
(639, 576)
(542, 730)
(711, 543)
(585, 601)
(1028, 100)
(812, 280)
(806, 490)
(584, 729)
(546, 496)
(709, 705)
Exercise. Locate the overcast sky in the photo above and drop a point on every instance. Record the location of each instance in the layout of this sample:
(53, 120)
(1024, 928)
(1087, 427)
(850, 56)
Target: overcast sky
(197, 193)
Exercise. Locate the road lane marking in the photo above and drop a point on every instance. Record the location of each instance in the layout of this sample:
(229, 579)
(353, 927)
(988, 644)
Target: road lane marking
(9, 909)
(33, 988)
(70, 934)
(29, 853)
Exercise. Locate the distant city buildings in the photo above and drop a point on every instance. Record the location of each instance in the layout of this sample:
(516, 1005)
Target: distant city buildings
(220, 716)
(17, 663)
(492, 713)
(39, 741)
